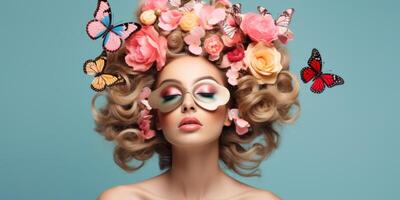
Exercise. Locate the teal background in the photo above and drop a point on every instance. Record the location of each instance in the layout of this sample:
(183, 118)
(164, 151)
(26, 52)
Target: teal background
(344, 146)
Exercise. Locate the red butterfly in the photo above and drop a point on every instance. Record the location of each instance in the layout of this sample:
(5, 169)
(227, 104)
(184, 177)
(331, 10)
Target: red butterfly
(320, 79)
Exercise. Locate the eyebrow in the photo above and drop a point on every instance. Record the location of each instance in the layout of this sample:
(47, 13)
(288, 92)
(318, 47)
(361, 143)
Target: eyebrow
(198, 79)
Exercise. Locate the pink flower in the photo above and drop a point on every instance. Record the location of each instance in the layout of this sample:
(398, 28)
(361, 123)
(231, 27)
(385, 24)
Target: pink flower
(155, 5)
(213, 46)
(233, 72)
(170, 20)
(236, 55)
(259, 28)
(242, 126)
(209, 15)
(144, 94)
(144, 121)
(232, 75)
(144, 48)
(194, 40)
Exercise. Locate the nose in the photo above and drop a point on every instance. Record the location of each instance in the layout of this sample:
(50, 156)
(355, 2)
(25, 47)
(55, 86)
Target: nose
(188, 103)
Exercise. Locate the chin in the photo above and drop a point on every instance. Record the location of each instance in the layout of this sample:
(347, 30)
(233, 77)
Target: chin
(197, 138)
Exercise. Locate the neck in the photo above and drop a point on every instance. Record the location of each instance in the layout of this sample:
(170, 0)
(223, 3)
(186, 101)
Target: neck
(195, 170)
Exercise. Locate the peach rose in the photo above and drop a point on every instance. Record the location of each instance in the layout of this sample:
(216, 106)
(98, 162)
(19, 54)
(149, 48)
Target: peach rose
(259, 28)
(144, 48)
(264, 62)
(148, 17)
(189, 21)
(169, 20)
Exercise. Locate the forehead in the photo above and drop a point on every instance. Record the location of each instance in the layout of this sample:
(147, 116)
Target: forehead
(188, 69)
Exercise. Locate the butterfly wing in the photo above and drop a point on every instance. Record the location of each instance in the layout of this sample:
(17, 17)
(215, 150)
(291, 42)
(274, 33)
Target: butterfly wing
(232, 23)
(175, 3)
(263, 11)
(318, 85)
(113, 39)
(332, 80)
(282, 23)
(284, 20)
(307, 74)
(315, 61)
(101, 22)
(96, 66)
(102, 81)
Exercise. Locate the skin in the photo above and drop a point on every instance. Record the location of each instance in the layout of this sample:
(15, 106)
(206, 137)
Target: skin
(195, 172)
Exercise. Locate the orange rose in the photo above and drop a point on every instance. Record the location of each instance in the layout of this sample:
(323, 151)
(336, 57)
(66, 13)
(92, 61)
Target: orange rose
(264, 62)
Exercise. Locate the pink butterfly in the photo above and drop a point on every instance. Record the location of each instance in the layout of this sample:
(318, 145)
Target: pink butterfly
(232, 24)
(194, 40)
(101, 26)
(283, 21)
(187, 7)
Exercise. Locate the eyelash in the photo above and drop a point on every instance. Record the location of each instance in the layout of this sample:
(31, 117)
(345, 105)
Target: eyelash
(170, 97)
(203, 94)
(206, 94)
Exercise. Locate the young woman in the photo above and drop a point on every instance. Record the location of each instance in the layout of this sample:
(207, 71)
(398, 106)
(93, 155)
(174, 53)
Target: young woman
(202, 83)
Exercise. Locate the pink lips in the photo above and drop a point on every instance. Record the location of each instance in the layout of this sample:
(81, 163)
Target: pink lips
(189, 124)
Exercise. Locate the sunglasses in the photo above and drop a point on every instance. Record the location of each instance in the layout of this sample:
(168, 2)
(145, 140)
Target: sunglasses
(206, 93)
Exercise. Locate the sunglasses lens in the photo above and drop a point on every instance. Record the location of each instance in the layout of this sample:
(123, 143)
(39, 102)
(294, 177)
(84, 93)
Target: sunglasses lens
(207, 94)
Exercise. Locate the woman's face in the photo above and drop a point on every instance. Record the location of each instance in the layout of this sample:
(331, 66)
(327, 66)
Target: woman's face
(190, 72)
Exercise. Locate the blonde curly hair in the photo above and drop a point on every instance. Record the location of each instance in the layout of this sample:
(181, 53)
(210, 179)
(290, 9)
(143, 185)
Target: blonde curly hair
(263, 106)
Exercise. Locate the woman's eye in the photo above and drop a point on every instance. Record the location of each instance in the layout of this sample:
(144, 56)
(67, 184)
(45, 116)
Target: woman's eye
(169, 97)
(206, 94)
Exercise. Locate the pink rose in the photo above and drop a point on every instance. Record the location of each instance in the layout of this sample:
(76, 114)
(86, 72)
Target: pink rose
(170, 20)
(213, 46)
(259, 28)
(144, 122)
(155, 5)
(144, 48)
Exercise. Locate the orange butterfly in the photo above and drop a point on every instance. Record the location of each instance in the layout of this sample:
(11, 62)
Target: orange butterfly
(96, 68)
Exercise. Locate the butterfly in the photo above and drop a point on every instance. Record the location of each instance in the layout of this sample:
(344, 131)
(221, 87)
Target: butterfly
(181, 5)
(320, 79)
(96, 68)
(101, 26)
(232, 24)
(283, 21)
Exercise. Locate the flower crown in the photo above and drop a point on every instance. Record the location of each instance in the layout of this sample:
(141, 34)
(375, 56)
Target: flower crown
(240, 43)
(218, 31)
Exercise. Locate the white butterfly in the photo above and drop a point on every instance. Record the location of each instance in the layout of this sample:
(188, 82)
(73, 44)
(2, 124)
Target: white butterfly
(186, 7)
(232, 23)
(283, 21)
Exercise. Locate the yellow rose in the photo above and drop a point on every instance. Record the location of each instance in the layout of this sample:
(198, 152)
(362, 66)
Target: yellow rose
(264, 62)
(148, 17)
(189, 21)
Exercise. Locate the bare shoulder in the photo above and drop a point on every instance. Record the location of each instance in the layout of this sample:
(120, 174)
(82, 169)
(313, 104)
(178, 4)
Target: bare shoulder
(122, 192)
(252, 193)
(257, 194)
